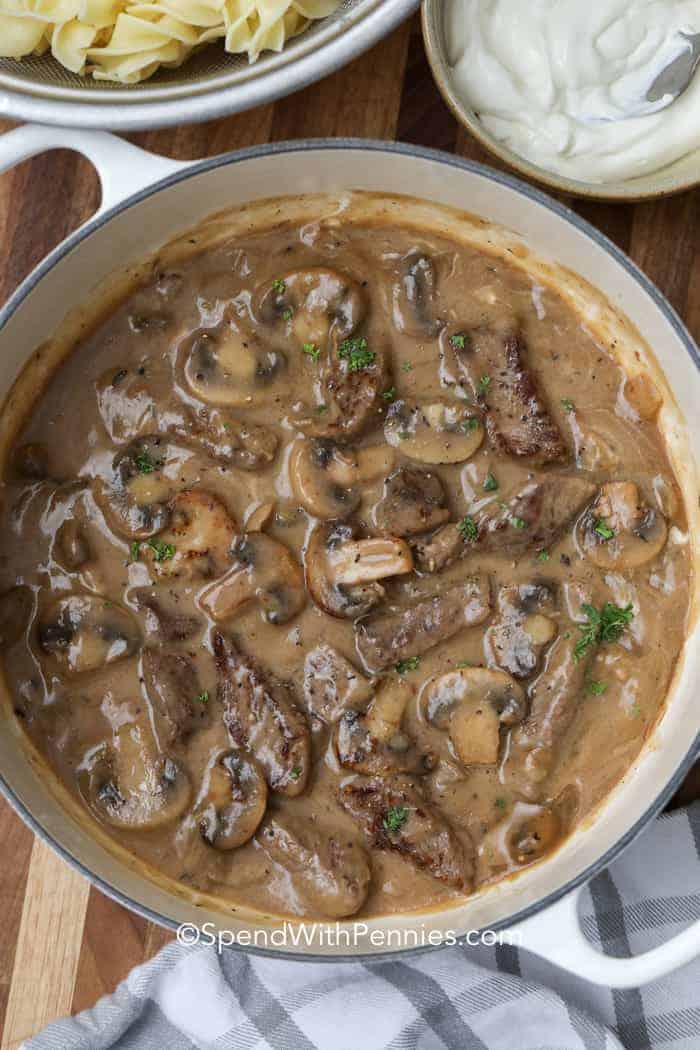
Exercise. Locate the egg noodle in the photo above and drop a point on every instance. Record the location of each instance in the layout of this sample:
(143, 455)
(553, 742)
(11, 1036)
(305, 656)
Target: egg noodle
(127, 42)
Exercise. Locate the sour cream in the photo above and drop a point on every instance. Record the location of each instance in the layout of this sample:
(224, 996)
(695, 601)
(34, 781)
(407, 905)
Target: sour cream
(563, 82)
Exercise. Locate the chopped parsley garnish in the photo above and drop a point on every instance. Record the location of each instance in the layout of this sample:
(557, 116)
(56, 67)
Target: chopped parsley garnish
(518, 523)
(404, 435)
(320, 409)
(602, 529)
(395, 818)
(603, 625)
(407, 366)
(411, 663)
(355, 352)
(490, 483)
(311, 350)
(596, 688)
(295, 773)
(500, 803)
(462, 664)
(134, 550)
(458, 341)
(287, 314)
(163, 551)
(279, 286)
(471, 423)
(389, 394)
(143, 461)
(543, 556)
(484, 385)
(567, 404)
(468, 528)
(203, 697)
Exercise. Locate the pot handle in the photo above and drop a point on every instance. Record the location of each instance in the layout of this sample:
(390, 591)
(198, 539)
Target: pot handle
(123, 169)
(555, 934)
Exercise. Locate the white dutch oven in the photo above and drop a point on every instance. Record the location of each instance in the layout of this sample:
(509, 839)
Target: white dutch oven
(147, 200)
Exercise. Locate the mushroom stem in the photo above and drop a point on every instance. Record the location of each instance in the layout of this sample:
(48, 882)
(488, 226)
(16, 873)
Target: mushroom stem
(364, 561)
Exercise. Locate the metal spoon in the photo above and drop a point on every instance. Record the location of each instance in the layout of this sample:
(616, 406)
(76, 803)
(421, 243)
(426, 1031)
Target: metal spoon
(676, 77)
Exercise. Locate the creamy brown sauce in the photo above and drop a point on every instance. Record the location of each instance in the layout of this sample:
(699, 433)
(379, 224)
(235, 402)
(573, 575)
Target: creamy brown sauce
(304, 534)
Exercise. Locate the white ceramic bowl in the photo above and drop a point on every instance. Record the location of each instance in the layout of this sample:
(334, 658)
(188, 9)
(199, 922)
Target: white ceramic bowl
(551, 241)
(210, 84)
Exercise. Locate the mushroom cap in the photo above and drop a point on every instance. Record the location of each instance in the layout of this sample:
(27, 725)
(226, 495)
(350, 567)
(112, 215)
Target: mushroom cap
(83, 632)
(413, 502)
(323, 479)
(134, 787)
(201, 532)
(473, 686)
(314, 304)
(232, 800)
(434, 432)
(262, 570)
(619, 532)
(342, 573)
(134, 498)
(233, 367)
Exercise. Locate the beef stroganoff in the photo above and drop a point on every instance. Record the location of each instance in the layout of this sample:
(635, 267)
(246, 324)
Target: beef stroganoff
(343, 568)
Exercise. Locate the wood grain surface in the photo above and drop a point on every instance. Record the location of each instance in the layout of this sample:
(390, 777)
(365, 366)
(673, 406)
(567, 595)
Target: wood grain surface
(62, 943)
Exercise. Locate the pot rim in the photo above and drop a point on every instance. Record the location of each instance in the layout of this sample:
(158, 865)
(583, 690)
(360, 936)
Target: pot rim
(531, 194)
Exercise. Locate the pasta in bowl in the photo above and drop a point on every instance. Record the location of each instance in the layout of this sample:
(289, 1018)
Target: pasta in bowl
(125, 42)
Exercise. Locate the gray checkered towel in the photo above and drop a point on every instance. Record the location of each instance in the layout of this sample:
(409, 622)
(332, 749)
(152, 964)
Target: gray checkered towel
(473, 999)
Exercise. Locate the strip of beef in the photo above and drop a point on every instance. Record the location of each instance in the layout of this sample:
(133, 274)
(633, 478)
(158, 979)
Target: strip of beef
(384, 641)
(173, 688)
(517, 418)
(396, 817)
(534, 518)
(332, 685)
(164, 621)
(262, 717)
(331, 870)
(555, 696)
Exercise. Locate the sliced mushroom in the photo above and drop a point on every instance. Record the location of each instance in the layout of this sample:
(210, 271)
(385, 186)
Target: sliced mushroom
(261, 717)
(396, 817)
(385, 641)
(134, 499)
(435, 432)
(331, 870)
(315, 304)
(472, 704)
(414, 296)
(327, 479)
(16, 607)
(173, 689)
(263, 570)
(413, 502)
(233, 367)
(134, 787)
(374, 743)
(342, 572)
(126, 404)
(199, 538)
(621, 532)
(333, 685)
(82, 632)
(163, 618)
(232, 800)
(523, 628)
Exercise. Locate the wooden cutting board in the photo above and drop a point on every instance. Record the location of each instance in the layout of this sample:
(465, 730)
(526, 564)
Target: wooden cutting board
(63, 943)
